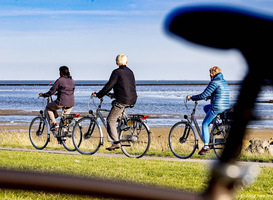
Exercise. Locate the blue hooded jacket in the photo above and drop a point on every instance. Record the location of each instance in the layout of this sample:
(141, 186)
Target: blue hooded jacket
(218, 90)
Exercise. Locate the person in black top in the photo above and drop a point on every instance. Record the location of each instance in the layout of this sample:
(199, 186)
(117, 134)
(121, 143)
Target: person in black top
(122, 81)
(64, 86)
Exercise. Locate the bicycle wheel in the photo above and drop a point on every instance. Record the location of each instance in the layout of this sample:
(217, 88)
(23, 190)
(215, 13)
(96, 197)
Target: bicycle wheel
(219, 136)
(38, 133)
(66, 133)
(87, 136)
(182, 140)
(135, 139)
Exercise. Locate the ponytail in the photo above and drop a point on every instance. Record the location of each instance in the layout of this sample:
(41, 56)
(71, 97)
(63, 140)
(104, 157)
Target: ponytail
(65, 71)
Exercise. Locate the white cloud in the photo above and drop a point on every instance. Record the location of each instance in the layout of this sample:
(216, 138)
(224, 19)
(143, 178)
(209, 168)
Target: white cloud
(12, 13)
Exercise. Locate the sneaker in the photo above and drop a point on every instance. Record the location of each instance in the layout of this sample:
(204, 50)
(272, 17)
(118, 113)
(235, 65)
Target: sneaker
(113, 147)
(54, 127)
(203, 151)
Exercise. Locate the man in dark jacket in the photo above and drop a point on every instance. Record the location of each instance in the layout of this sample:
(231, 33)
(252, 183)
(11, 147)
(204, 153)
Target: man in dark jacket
(122, 81)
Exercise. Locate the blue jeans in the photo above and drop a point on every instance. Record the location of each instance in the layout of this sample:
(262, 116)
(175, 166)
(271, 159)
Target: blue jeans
(211, 114)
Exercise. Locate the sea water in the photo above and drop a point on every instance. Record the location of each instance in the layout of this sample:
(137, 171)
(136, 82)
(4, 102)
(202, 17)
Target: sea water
(163, 101)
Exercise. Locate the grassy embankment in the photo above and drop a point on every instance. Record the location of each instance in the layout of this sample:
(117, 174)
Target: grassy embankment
(169, 174)
(159, 144)
(172, 174)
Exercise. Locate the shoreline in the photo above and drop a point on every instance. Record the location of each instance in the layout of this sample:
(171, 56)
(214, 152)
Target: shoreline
(102, 82)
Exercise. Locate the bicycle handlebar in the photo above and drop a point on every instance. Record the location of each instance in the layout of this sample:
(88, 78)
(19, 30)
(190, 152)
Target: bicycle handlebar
(101, 100)
(110, 95)
(186, 101)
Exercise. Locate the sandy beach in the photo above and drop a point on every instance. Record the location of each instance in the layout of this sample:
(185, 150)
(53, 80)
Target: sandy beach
(157, 131)
(251, 133)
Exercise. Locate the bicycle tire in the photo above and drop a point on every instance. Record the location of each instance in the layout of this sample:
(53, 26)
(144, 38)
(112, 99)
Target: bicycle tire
(38, 133)
(182, 140)
(87, 136)
(135, 139)
(218, 139)
(66, 132)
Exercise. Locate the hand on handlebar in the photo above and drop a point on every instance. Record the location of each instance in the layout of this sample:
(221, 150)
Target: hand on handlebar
(48, 94)
(41, 95)
(111, 95)
(93, 95)
(208, 98)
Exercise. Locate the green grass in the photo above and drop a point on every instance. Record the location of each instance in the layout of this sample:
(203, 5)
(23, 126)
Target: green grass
(159, 147)
(173, 174)
(168, 174)
(150, 172)
(144, 171)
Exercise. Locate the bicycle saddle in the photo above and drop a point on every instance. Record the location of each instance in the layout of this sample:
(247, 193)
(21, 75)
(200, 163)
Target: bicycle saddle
(225, 28)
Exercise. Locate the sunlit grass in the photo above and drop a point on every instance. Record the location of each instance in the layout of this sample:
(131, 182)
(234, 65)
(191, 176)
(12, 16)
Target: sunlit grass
(168, 174)
(158, 147)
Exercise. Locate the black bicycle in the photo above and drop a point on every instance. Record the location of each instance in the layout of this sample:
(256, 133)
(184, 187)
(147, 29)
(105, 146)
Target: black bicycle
(39, 130)
(183, 139)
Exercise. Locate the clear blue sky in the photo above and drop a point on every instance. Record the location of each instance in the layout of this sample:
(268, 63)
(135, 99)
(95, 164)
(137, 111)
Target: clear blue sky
(36, 37)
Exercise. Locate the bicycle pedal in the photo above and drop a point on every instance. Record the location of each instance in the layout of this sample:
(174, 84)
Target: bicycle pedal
(126, 145)
(125, 128)
(60, 137)
(59, 141)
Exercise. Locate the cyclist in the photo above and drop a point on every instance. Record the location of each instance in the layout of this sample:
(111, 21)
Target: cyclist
(122, 81)
(218, 91)
(64, 86)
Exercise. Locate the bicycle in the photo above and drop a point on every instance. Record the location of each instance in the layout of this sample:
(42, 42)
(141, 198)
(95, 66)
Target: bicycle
(39, 130)
(132, 128)
(183, 139)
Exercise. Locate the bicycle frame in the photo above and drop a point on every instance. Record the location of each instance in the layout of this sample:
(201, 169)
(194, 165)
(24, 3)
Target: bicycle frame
(196, 127)
(44, 115)
(99, 114)
(193, 123)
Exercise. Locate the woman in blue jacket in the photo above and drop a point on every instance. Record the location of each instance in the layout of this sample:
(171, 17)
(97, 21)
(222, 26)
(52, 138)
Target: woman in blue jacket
(218, 91)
